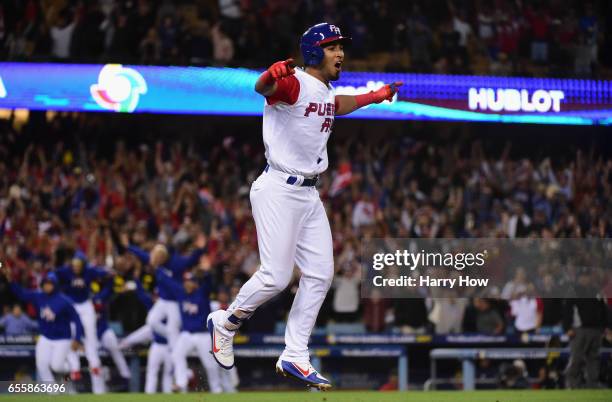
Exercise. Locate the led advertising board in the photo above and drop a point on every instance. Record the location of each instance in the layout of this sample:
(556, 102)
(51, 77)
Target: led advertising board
(229, 91)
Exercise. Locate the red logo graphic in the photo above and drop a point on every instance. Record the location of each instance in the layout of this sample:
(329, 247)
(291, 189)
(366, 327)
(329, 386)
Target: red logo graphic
(304, 372)
(215, 348)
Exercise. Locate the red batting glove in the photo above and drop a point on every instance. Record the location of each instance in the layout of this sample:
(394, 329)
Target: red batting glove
(385, 93)
(277, 71)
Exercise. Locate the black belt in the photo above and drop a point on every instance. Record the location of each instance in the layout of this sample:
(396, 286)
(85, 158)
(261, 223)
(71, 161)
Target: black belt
(306, 183)
(311, 182)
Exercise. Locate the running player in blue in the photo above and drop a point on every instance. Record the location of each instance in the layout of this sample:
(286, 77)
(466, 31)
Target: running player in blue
(175, 265)
(55, 314)
(75, 281)
(194, 301)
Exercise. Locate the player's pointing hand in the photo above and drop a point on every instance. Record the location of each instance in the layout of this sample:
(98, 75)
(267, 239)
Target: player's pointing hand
(387, 92)
(282, 69)
(382, 94)
(266, 83)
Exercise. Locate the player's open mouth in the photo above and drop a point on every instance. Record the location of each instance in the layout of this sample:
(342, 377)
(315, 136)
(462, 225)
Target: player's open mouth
(338, 66)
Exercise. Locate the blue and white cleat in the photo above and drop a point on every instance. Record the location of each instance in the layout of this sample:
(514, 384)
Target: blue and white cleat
(221, 339)
(303, 372)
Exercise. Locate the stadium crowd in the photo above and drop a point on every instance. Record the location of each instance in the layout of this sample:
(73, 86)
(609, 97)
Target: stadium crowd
(60, 194)
(500, 37)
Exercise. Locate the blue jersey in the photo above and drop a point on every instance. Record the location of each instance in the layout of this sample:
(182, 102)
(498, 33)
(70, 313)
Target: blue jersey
(146, 299)
(77, 287)
(55, 313)
(194, 306)
(164, 287)
(176, 265)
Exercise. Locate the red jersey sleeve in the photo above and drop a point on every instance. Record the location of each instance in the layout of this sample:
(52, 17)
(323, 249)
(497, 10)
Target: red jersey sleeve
(287, 91)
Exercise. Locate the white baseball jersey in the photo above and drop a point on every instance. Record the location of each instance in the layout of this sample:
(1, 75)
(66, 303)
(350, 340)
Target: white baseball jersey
(297, 122)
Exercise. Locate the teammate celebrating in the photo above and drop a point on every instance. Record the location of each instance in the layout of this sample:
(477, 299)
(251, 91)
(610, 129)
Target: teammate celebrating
(55, 315)
(75, 281)
(166, 307)
(194, 301)
(292, 226)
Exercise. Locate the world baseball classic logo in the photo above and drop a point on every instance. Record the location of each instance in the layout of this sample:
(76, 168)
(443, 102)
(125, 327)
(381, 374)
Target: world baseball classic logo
(119, 88)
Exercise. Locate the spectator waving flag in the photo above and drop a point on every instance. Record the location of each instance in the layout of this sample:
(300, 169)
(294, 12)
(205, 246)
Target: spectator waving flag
(342, 179)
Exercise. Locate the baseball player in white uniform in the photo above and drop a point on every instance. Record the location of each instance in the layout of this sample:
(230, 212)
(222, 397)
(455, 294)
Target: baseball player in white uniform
(292, 226)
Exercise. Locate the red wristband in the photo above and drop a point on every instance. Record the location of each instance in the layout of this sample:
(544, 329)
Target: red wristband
(267, 78)
(364, 99)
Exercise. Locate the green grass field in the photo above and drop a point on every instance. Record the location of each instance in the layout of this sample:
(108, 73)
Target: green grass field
(335, 396)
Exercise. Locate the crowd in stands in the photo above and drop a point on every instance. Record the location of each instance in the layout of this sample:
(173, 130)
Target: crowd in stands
(498, 37)
(69, 184)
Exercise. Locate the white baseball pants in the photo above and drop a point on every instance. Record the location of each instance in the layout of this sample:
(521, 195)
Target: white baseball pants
(143, 334)
(229, 379)
(200, 341)
(87, 314)
(292, 228)
(169, 310)
(110, 343)
(51, 356)
(159, 357)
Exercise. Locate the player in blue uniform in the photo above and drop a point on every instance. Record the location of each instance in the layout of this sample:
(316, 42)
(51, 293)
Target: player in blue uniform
(106, 336)
(166, 306)
(194, 301)
(55, 315)
(75, 281)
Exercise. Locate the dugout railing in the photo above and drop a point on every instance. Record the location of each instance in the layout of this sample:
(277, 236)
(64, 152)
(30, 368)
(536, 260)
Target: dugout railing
(469, 357)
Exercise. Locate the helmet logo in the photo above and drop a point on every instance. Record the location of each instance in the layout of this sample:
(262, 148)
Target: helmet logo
(314, 37)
